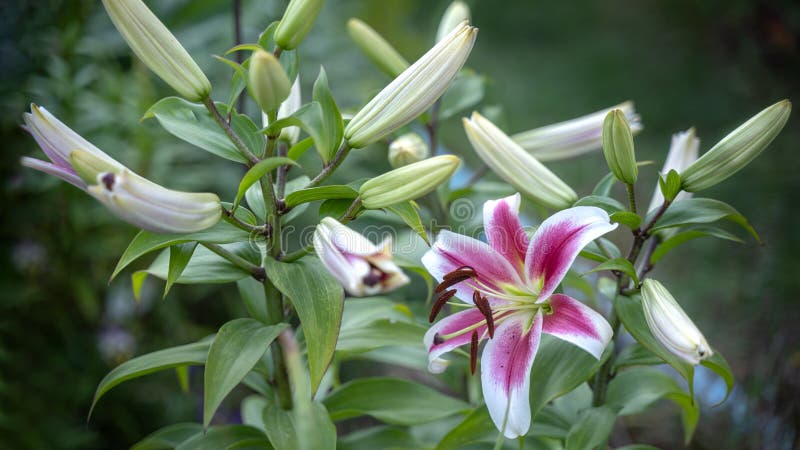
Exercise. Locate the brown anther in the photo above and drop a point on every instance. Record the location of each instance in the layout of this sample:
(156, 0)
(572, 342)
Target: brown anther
(483, 306)
(473, 352)
(455, 277)
(438, 339)
(108, 180)
(438, 304)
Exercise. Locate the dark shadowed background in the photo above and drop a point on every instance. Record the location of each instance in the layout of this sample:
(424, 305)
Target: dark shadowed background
(708, 64)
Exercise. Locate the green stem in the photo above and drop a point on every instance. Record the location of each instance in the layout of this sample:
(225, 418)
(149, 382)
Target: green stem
(328, 170)
(631, 198)
(237, 141)
(230, 217)
(275, 315)
(256, 271)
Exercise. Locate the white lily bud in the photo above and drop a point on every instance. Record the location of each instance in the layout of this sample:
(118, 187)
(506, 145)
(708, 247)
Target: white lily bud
(456, 13)
(407, 182)
(377, 49)
(408, 149)
(618, 147)
(267, 80)
(682, 153)
(413, 91)
(296, 22)
(287, 108)
(516, 166)
(737, 149)
(362, 267)
(158, 48)
(670, 324)
(573, 137)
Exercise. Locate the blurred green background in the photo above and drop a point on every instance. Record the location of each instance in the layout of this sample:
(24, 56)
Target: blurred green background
(706, 64)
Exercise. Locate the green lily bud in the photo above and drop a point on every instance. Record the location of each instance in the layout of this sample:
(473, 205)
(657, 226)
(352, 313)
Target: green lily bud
(413, 91)
(407, 182)
(377, 49)
(456, 13)
(618, 147)
(158, 48)
(671, 326)
(737, 149)
(516, 166)
(407, 149)
(297, 22)
(268, 82)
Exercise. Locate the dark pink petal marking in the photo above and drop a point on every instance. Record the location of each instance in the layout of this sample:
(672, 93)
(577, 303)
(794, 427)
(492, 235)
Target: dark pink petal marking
(578, 324)
(504, 230)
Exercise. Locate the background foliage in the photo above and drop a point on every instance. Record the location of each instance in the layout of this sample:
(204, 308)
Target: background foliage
(710, 65)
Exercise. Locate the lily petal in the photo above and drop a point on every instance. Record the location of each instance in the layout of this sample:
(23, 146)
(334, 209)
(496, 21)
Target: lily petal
(577, 324)
(557, 242)
(451, 251)
(505, 372)
(451, 324)
(64, 172)
(504, 230)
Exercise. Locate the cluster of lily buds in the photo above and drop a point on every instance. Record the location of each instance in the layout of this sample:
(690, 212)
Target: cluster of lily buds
(158, 49)
(267, 80)
(456, 13)
(407, 182)
(408, 149)
(737, 149)
(682, 153)
(413, 91)
(671, 326)
(572, 137)
(618, 147)
(297, 21)
(516, 166)
(129, 196)
(362, 267)
(376, 48)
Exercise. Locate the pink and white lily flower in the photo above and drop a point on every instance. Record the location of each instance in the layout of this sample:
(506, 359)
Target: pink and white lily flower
(508, 284)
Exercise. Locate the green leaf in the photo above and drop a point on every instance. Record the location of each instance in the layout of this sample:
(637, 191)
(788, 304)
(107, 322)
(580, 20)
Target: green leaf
(627, 218)
(226, 437)
(318, 299)
(466, 91)
(179, 256)
(699, 211)
(559, 368)
(236, 349)
(380, 437)
(476, 427)
(620, 265)
(169, 437)
(409, 213)
(591, 430)
(422, 272)
(336, 191)
(630, 312)
(206, 267)
(633, 391)
(182, 373)
(635, 355)
(671, 186)
(300, 148)
(311, 118)
(637, 447)
(686, 236)
(610, 205)
(381, 333)
(145, 242)
(253, 297)
(257, 172)
(603, 187)
(332, 124)
(721, 367)
(595, 252)
(189, 354)
(137, 281)
(391, 400)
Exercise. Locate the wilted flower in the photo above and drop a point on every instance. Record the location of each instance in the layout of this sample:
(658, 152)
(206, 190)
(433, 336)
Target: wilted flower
(297, 21)
(456, 13)
(682, 153)
(129, 196)
(618, 147)
(268, 81)
(413, 91)
(513, 164)
(377, 49)
(407, 182)
(407, 149)
(362, 267)
(158, 48)
(509, 284)
(572, 137)
(670, 324)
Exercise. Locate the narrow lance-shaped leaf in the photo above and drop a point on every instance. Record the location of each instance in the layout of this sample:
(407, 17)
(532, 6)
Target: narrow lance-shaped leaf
(332, 124)
(257, 172)
(179, 256)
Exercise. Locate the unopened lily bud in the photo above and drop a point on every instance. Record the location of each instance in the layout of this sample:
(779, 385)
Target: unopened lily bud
(413, 91)
(297, 22)
(456, 13)
(287, 108)
(682, 153)
(737, 149)
(376, 48)
(407, 149)
(407, 182)
(573, 137)
(158, 48)
(362, 267)
(268, 81)
(671, 326)
(618, 147)
(516, 166)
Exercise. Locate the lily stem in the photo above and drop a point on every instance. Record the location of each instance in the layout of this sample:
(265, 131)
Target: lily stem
(256, 271)
(328, 170)
(226, 127)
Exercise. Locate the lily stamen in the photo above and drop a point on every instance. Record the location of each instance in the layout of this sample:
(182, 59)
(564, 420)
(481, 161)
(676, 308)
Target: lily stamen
(441, 299)
(473, 352)
(483, 306)
(463, 273)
